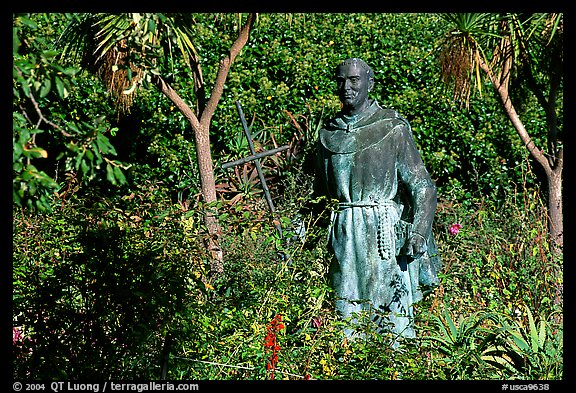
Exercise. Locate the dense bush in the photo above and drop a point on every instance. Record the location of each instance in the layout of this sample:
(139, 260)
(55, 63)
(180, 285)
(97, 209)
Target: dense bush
(288, 65)
(100, 286)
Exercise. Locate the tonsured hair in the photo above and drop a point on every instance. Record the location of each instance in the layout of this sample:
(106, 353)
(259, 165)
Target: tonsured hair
(358, 62)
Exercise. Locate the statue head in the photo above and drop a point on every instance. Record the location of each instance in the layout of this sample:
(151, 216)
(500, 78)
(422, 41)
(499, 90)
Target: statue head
(354, 79)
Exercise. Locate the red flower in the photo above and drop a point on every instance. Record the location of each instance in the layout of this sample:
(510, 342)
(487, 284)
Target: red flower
(270, 343)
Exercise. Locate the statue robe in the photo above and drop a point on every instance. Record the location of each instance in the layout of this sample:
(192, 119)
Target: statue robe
(371, 165)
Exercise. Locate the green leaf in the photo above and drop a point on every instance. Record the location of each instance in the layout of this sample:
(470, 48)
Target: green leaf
(35, 152)
(78, 159)
(84, 167)
(16, 151)
(542, 334)
(49, 55)
(31, 188)
(96, 151)
(151, 26)
(519, 341)
(46, 87)
(46, 181)
(110, 174)
(453, 329)
(72, 125)
(503, 360)
(28, 23)
(15, 41)
(26, 88)
(62, 92)
(533, 331)
(104, 144)
(89, 154)
(70, 71)
(119, 175)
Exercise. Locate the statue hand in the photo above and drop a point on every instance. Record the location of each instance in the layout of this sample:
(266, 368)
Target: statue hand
(416, 246)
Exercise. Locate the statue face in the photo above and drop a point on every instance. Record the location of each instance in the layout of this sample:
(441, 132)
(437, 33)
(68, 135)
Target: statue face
(353, 84)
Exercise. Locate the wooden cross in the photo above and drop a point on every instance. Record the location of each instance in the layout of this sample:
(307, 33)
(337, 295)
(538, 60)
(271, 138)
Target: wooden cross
(256, 158)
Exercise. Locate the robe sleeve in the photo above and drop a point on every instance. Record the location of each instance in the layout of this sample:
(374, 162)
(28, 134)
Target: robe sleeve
(420, 187)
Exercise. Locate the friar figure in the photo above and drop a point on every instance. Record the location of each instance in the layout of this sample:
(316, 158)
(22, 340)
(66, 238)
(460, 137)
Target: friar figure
(385, 256)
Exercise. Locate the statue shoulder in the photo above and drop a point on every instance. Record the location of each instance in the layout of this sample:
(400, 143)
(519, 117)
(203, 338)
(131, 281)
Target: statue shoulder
(394, 117)
(390, 121)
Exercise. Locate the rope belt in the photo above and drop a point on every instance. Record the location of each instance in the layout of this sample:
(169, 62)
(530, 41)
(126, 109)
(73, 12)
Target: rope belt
(387, 216)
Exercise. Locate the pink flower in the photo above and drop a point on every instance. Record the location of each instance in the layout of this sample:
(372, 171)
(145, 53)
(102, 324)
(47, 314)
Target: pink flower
(454, 229)
(317, 322)
(16, 335)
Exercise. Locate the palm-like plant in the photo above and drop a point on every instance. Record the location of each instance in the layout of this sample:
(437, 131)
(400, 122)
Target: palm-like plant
(514, 47)
(127, 50)
(526, 348)
(496, 341)
(463, 342)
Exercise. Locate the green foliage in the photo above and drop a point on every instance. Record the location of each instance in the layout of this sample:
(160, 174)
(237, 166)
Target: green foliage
(528, 348)
(43, 89)
(30, 187)
(97, 284)
(131, 274)
(285, 73)
(128, 49)
(282, 75)
(495, 345)
(462, 343)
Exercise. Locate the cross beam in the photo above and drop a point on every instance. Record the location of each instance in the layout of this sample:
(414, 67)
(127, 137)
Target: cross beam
(254, 157)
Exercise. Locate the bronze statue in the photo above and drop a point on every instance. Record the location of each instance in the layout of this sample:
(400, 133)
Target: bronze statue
(381, 234)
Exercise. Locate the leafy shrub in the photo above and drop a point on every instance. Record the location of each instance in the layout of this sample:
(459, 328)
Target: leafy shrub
(96, 286)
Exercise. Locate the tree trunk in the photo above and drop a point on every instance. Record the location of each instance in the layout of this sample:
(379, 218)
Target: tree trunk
(553, 174)
(553, 177)
(556, 224)
(201, 127)
(206, 169)
(553, 170)
(208, 186)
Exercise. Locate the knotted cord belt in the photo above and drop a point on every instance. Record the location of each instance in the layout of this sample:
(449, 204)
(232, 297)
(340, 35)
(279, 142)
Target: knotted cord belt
(387, 216)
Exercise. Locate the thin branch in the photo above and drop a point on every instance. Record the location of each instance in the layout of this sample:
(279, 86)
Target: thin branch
(548, 104)
(199, 86)
(502, 90)
(41, 117)
(169, 92)
(507, 53)
(225, 65)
